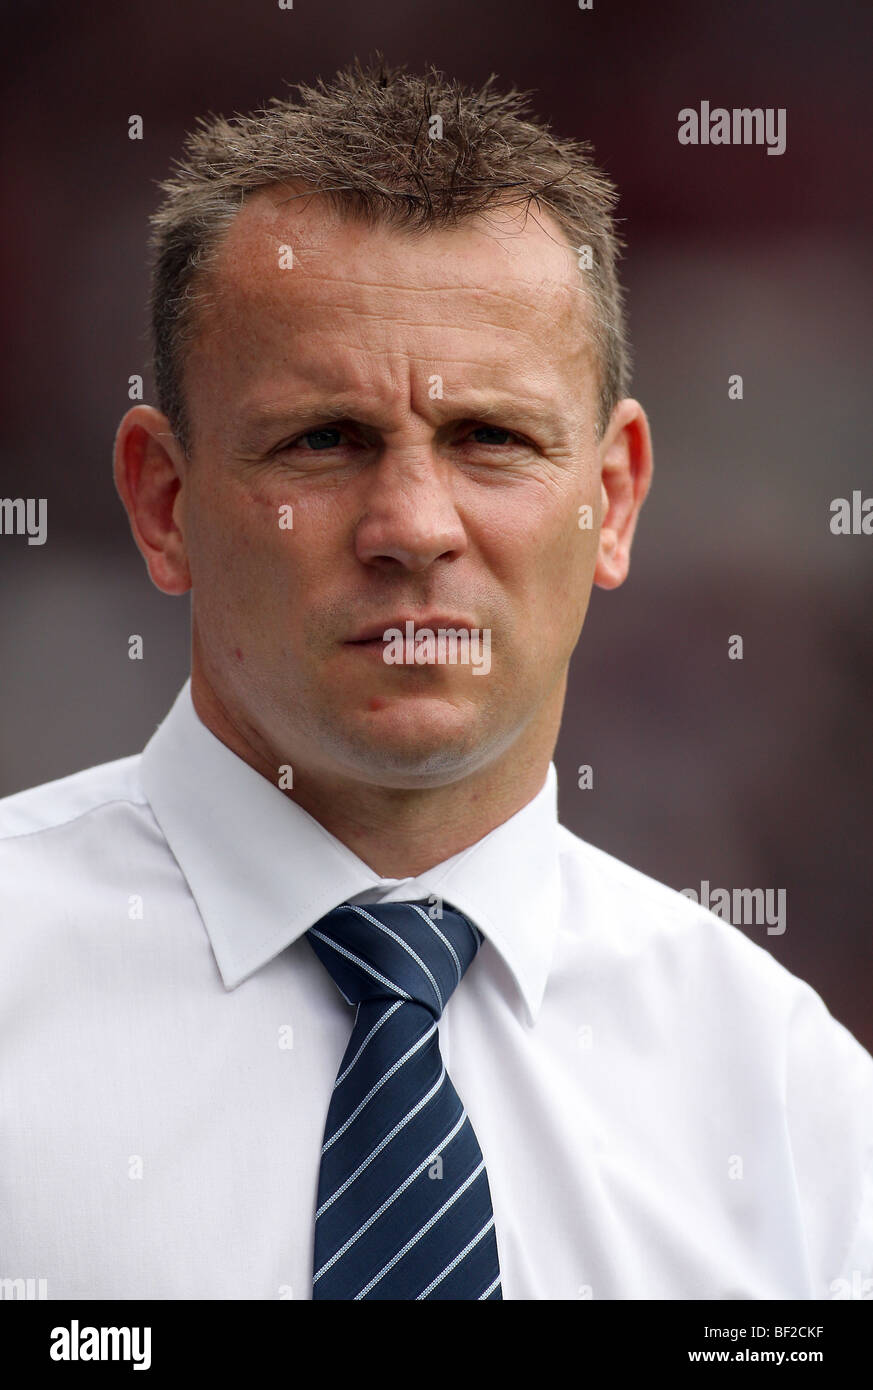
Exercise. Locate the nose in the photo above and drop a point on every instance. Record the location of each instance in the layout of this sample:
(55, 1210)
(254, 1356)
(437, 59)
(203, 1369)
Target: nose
(411, 518)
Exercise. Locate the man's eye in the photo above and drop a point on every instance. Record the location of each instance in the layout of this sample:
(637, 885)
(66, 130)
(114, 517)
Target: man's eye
(490, 431)
(331, 437)
(326, 438)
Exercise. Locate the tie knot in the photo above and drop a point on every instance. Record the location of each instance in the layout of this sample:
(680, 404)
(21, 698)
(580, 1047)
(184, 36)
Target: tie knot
(395, 951)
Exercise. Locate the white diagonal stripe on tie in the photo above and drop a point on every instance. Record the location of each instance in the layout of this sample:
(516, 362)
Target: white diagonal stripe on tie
(406, 946)
(376, 1026)
(357, 961)
(394, 1195)
(381, 1082)
(457, 1260)
(444, 939)
(401, 1124)
(413, 1240)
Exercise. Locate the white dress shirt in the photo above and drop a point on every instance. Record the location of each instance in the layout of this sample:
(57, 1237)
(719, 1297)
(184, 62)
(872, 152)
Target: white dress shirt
(664, 1111)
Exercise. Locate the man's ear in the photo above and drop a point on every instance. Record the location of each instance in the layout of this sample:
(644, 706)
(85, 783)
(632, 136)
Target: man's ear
(626, 465)
(149, 471)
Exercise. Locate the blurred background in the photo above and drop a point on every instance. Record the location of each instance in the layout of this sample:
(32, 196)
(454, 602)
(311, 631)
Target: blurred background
(752, 773)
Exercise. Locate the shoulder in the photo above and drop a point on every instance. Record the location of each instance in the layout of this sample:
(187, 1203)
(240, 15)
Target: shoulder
(630, 924)
(684, 979)
(65, 803)
(71, 850)
(637, 916)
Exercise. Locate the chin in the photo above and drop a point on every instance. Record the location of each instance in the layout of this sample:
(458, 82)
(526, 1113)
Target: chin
(439, 769)
(409, 752)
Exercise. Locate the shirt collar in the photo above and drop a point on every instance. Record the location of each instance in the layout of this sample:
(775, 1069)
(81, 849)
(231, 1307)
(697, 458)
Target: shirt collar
(262, 871)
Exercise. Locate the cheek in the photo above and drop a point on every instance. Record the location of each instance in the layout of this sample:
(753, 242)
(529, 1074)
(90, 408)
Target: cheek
(565, 546)
(243, 528)
(560, 567)
(242, 562)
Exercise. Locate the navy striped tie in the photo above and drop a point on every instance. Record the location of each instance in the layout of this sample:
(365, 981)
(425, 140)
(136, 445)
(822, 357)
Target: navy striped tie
(404, 1206)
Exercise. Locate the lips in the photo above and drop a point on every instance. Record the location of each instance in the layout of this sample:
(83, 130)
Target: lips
(375, 632)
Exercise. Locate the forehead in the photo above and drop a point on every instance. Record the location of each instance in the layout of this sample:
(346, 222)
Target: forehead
(498, 293)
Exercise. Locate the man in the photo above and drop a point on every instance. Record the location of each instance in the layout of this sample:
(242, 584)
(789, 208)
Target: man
(393, 453)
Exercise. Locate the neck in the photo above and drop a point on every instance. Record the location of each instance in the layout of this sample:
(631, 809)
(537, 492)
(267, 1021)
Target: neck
(400, 832)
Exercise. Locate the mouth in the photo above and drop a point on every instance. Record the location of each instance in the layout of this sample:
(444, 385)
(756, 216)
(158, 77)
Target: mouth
(374, 633)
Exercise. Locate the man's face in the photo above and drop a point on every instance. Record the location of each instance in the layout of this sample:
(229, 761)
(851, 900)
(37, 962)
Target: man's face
(426, 407)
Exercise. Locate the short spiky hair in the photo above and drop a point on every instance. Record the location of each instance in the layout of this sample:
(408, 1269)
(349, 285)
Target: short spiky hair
(363, 140)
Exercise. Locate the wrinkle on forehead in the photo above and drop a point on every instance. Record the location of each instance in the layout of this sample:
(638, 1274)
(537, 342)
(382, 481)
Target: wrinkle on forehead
(493, 255)
(512, 291)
